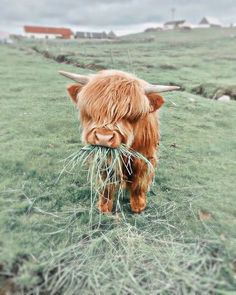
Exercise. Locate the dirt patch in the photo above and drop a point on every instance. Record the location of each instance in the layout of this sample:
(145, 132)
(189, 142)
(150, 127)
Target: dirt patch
(207, 90)
(168, 67)
(213, 91)
(66, 58)
(202, 90)
(7, 287)
(231, 91)
(7, 283)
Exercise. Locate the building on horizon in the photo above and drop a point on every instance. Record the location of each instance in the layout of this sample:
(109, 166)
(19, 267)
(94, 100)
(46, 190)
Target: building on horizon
(95, 35)
(178, 24)
(208, 22)
(154, 29)
(5, 37)
(47, 32)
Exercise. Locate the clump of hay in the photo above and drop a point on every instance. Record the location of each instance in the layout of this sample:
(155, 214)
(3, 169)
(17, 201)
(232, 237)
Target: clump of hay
(105, 166)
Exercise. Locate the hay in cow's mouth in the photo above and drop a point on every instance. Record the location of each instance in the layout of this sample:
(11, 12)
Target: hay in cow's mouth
(104, 166)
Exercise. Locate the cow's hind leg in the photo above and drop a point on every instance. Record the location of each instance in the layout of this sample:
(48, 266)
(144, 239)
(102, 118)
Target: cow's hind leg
(106, 199)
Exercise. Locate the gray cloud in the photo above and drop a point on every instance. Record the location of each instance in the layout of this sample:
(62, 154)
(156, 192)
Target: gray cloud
(110, 13)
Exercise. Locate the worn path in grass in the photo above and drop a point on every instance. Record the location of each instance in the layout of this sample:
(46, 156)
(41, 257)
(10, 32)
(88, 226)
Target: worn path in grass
(184, 243)
(201, 61)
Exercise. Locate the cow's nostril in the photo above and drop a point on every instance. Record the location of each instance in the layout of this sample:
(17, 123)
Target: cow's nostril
(112, 136)
(95, 135)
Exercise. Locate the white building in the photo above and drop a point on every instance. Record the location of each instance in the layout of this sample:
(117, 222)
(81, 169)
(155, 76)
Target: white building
(5, 37)
(208, 22)
(174, 24)
(47, 32)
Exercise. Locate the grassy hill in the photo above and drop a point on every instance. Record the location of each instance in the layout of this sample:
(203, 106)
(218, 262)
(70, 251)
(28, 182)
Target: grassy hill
(53, 242)
(202, 61)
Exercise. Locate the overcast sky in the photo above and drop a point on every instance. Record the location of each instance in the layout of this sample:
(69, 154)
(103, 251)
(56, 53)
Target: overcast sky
(122, 16)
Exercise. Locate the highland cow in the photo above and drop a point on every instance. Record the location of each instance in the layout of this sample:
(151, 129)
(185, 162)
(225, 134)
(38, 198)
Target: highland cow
(118, 108)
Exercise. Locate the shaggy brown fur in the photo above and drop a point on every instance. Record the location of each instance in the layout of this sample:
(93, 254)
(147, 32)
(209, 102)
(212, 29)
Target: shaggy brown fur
(113, 110)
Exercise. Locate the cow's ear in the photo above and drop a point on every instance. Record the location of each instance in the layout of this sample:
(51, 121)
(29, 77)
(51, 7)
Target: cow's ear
(156, 101)
(73, 90)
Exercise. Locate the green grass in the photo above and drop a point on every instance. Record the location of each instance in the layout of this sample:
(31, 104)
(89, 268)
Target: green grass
(47, 242)
(201, 60)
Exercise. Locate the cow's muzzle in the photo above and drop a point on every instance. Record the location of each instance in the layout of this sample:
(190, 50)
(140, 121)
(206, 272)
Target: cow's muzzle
(104, 137)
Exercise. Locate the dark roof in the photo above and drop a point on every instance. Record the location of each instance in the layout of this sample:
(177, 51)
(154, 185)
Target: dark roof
(175, 22)
(96, 35)
(111, 34)
(99, 35)
(210, 21)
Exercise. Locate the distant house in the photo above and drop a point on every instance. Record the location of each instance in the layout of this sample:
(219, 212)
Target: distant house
(80, 35)
(5, 38)
(111, 35)
(210, 22)
(95, 35)
(175, 24)
(47, 32)
(91, 35)
(154, 29)
(150, 30)
(186, 26)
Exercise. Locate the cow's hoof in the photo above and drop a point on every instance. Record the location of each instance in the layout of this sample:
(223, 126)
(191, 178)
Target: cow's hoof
(138, 206)
(137, 210)
(105, 207)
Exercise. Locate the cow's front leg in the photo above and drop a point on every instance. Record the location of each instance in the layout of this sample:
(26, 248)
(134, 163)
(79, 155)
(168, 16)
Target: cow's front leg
(106, 199)
(139, 185)
(138, 200)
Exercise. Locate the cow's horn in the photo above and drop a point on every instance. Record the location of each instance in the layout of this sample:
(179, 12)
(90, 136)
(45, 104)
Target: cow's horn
(76, 77)
(160, 88)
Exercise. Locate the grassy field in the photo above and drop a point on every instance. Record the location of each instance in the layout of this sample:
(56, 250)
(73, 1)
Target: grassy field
(201, 61)
(52, 242)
